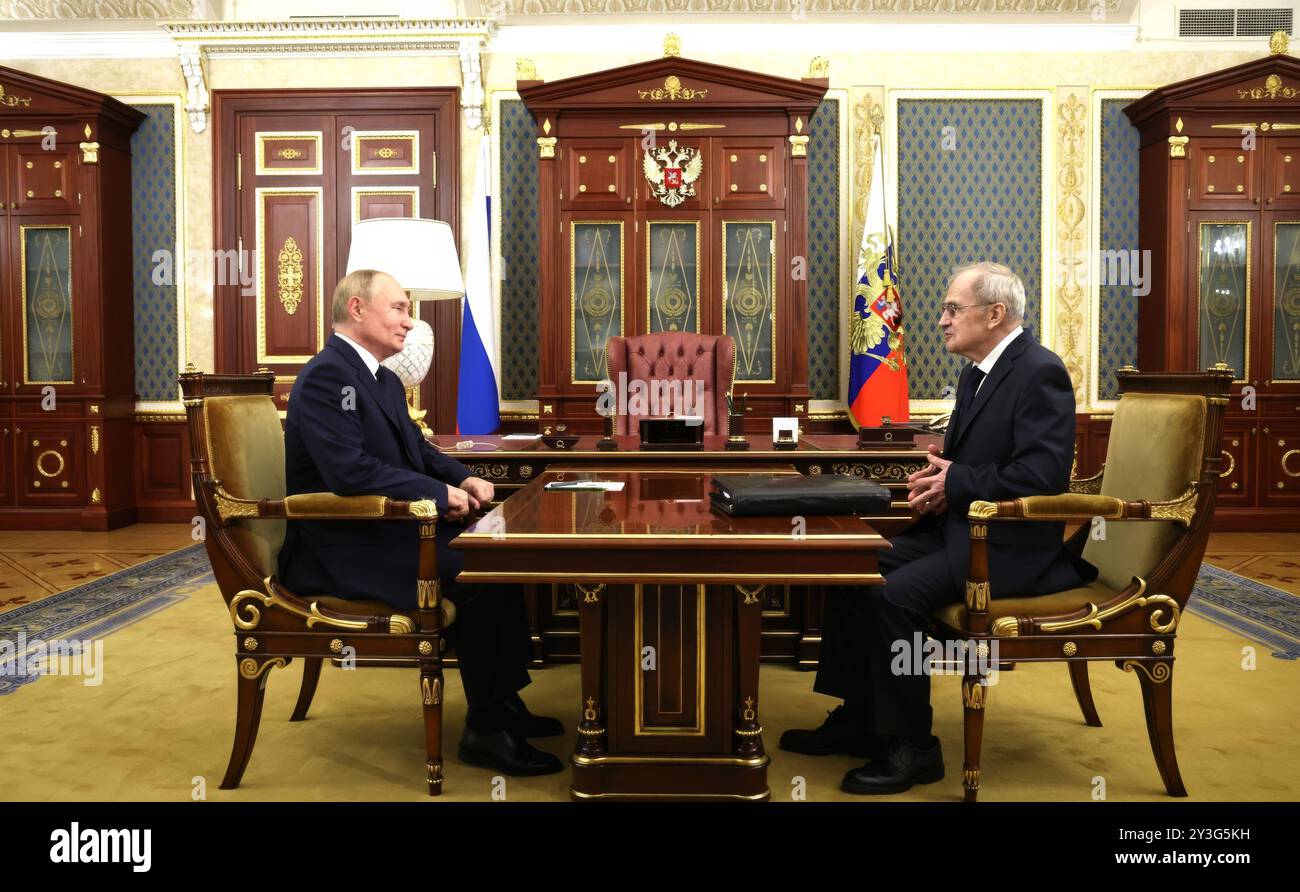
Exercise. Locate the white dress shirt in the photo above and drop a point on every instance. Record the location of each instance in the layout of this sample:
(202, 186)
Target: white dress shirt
(986, 364)
(369, 358)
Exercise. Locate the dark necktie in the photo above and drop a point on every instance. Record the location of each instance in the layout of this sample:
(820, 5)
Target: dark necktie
(967, 396)
(391, 387)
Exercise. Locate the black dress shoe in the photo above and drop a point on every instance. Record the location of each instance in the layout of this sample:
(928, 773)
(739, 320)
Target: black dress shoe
(506, 752)
(898, 770)
(841, 734)
(523, 722)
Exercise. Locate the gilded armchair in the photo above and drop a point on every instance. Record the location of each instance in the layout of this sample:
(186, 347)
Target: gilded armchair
(1146, 518)
(237, 468)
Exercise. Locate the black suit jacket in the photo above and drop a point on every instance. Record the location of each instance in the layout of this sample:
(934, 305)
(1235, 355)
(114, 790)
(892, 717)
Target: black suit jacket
(1016, 439)
(348, 434)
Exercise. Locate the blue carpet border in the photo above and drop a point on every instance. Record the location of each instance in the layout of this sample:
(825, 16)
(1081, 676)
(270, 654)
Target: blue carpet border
(102, 606)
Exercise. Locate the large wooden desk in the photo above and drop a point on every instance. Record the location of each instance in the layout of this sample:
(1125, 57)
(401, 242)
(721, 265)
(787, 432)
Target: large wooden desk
(670, 618)
(791, 614)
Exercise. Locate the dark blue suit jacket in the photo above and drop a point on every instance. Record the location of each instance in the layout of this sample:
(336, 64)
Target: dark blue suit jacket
(1017, 439)
(348, 434)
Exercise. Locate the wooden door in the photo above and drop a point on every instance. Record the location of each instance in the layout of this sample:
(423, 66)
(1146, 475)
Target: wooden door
(298, 171)
(8, 288)
(287, 252)
(8, 277)
(1224, 174)
(1281, 163)
(1278, 342)
(749, 172)
(1237, 471)
(44, 178)
(599, 173)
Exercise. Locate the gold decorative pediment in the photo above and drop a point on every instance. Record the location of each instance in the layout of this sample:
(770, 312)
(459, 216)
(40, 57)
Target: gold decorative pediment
(672, 91)
(1273, 89)
(12, 101)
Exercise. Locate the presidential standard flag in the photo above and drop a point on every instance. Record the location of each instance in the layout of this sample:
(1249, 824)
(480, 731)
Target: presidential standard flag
(877, 372)
(477, 409)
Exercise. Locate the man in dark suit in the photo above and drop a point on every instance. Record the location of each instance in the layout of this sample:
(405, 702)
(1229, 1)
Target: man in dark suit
(1011, 435)
(348, 432)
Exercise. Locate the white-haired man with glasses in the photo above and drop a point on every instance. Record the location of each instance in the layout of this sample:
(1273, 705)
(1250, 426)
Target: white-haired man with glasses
(1011, 435)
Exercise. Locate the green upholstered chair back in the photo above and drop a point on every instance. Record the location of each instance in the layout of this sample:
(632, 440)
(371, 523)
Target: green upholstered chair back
(1155, 451)
(246, 454)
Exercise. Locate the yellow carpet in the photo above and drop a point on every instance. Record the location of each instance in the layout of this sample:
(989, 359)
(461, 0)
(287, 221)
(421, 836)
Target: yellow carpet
(164, 716)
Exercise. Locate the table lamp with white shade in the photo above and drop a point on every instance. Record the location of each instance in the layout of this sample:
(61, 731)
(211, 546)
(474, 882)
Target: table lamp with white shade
(421, 256)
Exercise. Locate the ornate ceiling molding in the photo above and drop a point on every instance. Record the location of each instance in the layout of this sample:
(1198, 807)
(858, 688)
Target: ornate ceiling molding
(198, 41)
(499, 8)
(71, 10)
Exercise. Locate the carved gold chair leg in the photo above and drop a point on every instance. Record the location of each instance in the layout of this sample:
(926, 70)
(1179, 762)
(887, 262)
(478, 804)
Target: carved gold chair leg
(253, 673)
(431, 697)
(1157, 680)
(1083, 693)
(974, 695)
(310, 678)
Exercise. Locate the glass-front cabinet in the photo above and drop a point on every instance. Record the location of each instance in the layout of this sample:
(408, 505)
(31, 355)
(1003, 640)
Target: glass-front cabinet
(1245, 274)
(67, 286)
(671, 199)
(1219, 211)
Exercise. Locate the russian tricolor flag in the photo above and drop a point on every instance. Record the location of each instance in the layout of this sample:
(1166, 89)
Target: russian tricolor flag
(877, 370)
(477, 408)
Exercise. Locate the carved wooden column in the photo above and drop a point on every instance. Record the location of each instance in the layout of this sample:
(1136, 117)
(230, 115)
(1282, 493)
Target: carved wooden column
(592, 736)
(749, 626)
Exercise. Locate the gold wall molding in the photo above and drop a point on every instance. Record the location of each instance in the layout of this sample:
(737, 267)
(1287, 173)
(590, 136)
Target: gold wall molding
(868, 121)
(1072, 239)
(289, 277)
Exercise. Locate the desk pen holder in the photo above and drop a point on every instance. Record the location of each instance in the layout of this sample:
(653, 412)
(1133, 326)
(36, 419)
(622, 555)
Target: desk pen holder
(736, 432)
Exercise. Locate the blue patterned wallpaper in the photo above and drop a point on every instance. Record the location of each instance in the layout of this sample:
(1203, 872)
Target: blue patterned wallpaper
(975, 196)
(519, 247)
(1118, 313)
(824, 253)
(153, 228)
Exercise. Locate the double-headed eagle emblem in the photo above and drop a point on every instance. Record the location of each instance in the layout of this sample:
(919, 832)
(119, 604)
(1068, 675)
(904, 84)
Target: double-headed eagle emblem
(876, 326)
(672, 172)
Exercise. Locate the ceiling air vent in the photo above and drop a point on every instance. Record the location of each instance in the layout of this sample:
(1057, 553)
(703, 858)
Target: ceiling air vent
(1263, 22)
(1207, 22)
(1224, 22)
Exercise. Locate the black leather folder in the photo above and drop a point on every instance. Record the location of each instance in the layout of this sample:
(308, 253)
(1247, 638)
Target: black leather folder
(787, 495)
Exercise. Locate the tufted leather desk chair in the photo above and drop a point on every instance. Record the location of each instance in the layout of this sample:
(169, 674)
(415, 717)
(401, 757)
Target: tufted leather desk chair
(676, 356)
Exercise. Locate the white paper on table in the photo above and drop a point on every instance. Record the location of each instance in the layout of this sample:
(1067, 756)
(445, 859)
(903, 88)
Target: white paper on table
(584, 485)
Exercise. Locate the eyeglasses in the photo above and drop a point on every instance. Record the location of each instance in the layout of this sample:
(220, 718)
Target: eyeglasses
(954, 309)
